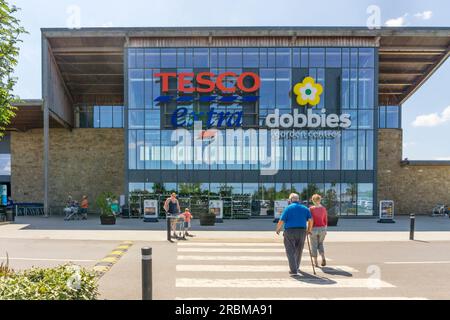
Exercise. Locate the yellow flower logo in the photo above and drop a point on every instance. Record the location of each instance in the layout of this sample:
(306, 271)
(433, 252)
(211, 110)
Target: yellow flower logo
(308, 92)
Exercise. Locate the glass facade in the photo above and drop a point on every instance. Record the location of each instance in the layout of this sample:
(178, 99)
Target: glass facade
(5, 164)
(101, 117)
(390, 117)
(342, 168)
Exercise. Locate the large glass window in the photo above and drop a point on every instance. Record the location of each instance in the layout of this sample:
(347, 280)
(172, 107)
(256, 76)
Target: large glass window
(349, 192)
(349, 149)
(366, 58)
(390, 117)
(365, 199)
(283, 58)
(267, 92)
(234, 58)
(5, 164)
(300, 154)
(201, 58)
(283, 90)
(333, 58)
(168, 151)
(136, 89)
(366, 88)
(251, 58)
(393, 117)
(334, 166)
(152, 58)
(317, 57)
(168, 58)
(101, 117)
(152, 150)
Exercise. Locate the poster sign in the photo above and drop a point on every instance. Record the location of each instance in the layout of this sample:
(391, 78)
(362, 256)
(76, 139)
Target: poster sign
(4, 195)
(264, 208)
(387, 212)
(216, 208)
(151, 210)
(279, 207)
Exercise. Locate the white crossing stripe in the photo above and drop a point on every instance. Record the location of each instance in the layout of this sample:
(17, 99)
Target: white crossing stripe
(305, 258)
(307, 299)
(254, 268)
(281, 283)
(228, 244)
(228, 250)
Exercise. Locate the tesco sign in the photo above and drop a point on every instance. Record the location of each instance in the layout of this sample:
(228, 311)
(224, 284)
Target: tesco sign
(208, 82)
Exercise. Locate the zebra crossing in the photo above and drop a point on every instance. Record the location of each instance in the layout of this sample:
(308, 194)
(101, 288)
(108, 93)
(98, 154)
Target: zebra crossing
(258, 271)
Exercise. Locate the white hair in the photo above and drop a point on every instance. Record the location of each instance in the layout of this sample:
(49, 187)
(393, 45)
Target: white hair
(294, 197)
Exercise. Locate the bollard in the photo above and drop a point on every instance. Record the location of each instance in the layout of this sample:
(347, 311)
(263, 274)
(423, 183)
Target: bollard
(169, 229)
(147, 280)
(412, 227)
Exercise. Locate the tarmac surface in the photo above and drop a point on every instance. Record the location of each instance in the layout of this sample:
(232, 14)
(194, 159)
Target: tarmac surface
(371, 261)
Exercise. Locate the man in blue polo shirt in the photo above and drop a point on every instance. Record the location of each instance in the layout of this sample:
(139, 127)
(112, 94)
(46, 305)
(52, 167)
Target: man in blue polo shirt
(297, 222)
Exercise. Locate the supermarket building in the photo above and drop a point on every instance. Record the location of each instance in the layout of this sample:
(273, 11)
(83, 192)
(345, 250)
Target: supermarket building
(113, 98)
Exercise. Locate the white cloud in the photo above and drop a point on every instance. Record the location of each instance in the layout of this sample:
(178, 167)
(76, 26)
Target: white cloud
(408, 144)
(397, 22)
(443, 159)
(432, 119)
(426, 15)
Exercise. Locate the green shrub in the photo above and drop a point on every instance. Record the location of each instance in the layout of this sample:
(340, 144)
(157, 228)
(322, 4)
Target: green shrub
(66, 282)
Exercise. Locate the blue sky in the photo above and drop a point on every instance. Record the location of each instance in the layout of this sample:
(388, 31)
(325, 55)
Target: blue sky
(426, 116)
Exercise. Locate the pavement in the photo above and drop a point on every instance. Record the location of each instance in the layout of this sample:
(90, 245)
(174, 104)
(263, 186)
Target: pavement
(349, 230)
(372, 262)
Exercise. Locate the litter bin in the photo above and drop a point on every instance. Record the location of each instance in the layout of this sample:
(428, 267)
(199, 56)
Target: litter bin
(3, 216)
(10, 215)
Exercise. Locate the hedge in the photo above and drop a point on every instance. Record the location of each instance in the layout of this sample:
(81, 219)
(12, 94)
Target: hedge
(67, 282)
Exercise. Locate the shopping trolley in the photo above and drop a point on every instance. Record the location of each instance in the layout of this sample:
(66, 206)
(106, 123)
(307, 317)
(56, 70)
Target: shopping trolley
(177, 227)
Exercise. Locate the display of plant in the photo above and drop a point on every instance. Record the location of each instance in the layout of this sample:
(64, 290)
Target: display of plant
(67, 282)
(104, 202)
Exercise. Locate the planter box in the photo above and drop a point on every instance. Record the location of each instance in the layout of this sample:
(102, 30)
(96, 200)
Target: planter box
(333, 221)
(108, 220)
(208, 220)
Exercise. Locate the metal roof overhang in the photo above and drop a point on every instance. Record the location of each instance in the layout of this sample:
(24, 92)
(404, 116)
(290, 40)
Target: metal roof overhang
(29, 115)
(91, 61)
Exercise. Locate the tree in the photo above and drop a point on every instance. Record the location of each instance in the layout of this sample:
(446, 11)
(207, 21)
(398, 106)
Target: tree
(10, 31)
(330, 200)
(352, 191)
(309, 191)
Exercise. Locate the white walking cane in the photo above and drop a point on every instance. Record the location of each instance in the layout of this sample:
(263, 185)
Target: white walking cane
(310, 255)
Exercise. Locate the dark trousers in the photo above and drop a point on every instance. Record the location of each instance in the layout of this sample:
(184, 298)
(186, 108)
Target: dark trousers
(294, 242)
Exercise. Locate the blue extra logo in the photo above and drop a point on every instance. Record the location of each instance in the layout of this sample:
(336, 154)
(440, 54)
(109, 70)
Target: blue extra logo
(183, 117)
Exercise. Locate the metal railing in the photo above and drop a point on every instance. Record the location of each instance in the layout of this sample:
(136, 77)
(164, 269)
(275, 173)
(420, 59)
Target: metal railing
(29, 209)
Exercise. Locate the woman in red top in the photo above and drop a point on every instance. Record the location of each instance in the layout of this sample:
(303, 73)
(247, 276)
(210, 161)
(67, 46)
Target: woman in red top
(319, 233)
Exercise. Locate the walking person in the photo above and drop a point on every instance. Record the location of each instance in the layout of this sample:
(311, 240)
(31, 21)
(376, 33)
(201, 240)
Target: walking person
(297, 222)
(172, 208)
(319, 232)
(187, 216)
(84, 207)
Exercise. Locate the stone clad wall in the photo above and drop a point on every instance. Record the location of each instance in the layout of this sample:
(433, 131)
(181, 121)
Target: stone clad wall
(82, 161)
(415, 189)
